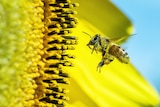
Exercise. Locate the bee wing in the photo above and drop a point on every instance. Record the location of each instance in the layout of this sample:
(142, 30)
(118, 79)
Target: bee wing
(117, 40)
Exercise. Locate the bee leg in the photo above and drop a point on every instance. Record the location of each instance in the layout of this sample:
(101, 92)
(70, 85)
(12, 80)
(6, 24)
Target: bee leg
(103, 53)
(104, 61)
(89, 46)
(100, 65)
(94, 48)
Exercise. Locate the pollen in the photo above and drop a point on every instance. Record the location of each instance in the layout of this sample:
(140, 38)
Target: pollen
(35, 37)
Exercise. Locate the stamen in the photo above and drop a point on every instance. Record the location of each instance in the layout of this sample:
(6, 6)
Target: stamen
(58, 21)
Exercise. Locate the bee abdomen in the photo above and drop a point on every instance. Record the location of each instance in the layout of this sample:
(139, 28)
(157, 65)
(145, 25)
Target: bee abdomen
(119, 53)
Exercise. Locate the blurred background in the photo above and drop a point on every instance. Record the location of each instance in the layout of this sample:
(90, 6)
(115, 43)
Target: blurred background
(144, 47)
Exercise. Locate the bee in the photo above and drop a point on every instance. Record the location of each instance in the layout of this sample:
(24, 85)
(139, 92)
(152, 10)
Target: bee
(108, 48)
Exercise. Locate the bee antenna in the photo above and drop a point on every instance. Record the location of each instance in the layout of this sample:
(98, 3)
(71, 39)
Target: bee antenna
(88, 34)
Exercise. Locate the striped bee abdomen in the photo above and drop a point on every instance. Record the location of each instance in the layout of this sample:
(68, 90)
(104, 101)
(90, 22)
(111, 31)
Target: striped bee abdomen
(119, 53)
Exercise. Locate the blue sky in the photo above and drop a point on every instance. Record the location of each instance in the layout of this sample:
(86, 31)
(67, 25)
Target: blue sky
(144, 48)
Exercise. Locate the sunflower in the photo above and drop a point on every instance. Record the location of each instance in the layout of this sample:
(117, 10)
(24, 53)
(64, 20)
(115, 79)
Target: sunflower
(44, 60)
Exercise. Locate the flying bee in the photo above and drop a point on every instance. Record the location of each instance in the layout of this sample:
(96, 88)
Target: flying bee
(108, 48)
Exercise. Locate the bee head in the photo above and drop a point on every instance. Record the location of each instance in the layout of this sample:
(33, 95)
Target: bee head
(94, 40)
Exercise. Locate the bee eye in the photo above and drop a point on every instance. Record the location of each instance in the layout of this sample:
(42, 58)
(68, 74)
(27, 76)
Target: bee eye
(96, 37)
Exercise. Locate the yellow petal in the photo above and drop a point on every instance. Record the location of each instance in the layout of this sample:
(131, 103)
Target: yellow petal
(118, 85)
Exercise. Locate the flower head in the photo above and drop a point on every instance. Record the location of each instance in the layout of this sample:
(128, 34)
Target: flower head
(42, 58)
